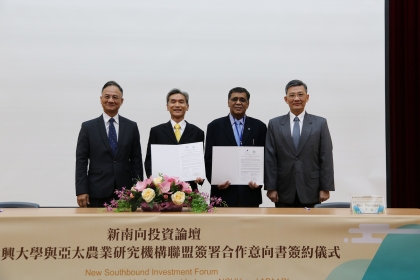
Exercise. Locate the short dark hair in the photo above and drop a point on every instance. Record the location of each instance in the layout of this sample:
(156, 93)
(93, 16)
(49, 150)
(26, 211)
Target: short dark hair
(295, 83)
(112, 83)
(176, 91)
(239, 90)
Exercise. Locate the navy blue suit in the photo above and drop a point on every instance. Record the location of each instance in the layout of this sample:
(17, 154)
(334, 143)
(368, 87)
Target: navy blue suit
(98, 172)
(220, 133)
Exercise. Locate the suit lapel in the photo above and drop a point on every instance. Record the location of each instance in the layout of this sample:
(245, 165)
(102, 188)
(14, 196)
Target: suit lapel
(169, 131)
(102, 132)
(247, 129)
(121, 130)
(306, 131)
(186, 134)
(227, 128)
(285, 129)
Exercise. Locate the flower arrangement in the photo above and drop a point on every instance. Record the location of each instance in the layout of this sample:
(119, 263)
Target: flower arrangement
(163, 193)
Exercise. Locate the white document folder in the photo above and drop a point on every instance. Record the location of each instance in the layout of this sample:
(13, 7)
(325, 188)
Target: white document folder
(185, 161)
(237, 164)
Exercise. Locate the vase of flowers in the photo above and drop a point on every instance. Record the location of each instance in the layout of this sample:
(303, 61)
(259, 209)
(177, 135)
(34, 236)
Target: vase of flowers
(162, 194)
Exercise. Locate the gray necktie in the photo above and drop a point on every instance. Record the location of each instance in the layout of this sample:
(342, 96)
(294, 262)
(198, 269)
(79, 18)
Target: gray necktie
(296, 132)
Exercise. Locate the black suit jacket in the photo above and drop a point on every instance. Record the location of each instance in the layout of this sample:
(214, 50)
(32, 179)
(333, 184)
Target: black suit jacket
(98, 172)
(220, 133)
(164, 134)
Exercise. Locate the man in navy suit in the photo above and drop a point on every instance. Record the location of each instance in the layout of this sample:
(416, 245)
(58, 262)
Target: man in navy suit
(236, 129)
(177, 127)
(299, 169)
(108, 153)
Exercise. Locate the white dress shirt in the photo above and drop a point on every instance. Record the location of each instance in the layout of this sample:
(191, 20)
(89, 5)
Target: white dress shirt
(116, 123)
(292, 122)
(182, 123)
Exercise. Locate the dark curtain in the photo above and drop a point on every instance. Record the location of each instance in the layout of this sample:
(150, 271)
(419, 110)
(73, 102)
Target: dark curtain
(403, 91)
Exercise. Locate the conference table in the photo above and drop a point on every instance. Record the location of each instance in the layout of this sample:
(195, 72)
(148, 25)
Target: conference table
(231, 243)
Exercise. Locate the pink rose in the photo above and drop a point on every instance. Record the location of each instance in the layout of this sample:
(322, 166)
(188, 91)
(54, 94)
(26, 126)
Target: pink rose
(140, 186)
(171, 179)
(165, 187)
(186, 187)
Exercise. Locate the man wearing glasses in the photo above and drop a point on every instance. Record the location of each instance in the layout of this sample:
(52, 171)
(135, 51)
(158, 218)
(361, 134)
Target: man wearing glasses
(236, 129)
(108, 153)
(298, 170)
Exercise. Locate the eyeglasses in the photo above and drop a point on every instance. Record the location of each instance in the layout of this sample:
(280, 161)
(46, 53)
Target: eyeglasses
(107, 97)
(236, 99)
(299, 95)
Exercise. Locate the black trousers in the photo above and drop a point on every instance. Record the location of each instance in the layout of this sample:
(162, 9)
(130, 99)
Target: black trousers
(99, 202)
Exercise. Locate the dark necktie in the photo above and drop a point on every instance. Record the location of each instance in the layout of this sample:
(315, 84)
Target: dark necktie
(112, 136)
(296, 132)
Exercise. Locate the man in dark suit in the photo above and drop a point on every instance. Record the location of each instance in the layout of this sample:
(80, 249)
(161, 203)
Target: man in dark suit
(108, 153)
(176, 131)
(236, 129)
(299, 168)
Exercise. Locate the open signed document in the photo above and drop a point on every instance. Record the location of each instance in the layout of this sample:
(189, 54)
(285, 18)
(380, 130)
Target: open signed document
(238, 165)
(185, 161)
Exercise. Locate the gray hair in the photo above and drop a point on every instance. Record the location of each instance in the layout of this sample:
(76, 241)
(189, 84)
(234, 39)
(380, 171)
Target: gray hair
(112, 83)
(295, 83)
(176, 91)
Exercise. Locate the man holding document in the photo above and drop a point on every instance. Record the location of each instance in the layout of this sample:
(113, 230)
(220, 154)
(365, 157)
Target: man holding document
(236, 129)
(176, 131)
